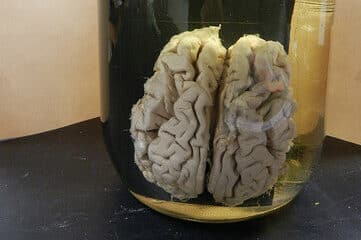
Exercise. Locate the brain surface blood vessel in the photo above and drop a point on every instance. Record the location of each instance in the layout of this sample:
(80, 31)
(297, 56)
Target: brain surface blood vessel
(196, 78)
(170, 125)
(254, 129)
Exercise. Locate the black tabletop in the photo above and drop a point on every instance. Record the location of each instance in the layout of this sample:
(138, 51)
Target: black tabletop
(62, 185)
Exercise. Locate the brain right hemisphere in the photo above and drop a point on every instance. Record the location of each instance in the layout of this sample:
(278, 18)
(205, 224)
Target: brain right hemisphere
(255, 128)
(171, 124)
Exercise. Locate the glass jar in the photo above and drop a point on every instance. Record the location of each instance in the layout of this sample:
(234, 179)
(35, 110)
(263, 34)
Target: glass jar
(213, 109)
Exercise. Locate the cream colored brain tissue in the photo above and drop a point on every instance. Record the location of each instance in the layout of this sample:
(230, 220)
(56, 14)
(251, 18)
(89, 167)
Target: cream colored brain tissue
(239, 97)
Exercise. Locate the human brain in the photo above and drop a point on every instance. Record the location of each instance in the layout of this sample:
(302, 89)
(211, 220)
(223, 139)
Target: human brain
(199, 86)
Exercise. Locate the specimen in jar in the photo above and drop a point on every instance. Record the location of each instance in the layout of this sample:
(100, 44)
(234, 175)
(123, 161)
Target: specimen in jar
(241, 94)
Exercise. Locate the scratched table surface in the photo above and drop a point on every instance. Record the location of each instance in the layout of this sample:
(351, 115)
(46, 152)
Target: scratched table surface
(62, 185)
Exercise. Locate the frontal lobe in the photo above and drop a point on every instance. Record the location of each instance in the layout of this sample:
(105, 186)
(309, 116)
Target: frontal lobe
(170, 125)
(255, 128)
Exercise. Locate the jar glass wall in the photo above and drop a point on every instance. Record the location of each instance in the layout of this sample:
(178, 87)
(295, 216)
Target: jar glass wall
(213, 109)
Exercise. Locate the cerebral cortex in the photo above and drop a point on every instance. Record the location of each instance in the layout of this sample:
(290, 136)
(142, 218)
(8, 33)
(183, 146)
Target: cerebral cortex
(171, 123)
(254, 129)
(231, 109)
